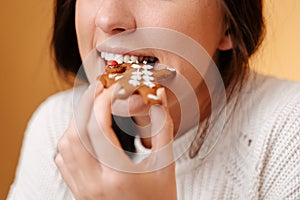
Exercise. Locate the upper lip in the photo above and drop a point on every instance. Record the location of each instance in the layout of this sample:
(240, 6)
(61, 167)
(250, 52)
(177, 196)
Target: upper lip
(112, 50)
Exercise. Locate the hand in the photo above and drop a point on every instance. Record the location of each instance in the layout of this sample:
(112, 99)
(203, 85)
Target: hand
(90, 138)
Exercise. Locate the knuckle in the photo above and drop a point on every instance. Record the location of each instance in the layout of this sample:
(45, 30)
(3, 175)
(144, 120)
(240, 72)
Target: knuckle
(71, 132)
(58, 160)
(63, 145)
(117, 180)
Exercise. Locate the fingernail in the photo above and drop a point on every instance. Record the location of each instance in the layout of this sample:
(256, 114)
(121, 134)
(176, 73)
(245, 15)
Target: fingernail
(161, 93)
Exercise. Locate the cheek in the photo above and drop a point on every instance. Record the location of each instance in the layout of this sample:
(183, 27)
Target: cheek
(204, 31)
(84, 24)
(199, 20)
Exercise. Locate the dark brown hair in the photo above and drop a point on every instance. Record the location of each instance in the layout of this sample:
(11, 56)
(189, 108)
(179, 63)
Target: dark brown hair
(246, 27)
(244, 19)
(64, 40)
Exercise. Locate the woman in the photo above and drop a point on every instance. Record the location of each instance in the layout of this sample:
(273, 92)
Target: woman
(256, 157)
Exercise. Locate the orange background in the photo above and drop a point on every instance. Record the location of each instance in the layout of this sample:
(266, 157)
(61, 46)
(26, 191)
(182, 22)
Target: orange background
(28, 75)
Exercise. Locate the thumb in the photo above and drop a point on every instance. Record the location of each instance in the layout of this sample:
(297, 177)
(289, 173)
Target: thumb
(162, 128)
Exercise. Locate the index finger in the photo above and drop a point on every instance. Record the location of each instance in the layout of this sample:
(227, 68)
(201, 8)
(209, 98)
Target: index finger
(103, 138)
(162, 128)
(82, 113)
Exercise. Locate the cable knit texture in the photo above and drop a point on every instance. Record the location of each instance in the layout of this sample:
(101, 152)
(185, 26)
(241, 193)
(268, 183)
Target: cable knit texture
(256, 157)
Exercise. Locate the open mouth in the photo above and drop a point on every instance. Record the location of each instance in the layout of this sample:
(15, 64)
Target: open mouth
(131, 59)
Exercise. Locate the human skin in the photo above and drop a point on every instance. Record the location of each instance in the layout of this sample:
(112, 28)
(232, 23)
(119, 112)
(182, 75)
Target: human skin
(98, 20)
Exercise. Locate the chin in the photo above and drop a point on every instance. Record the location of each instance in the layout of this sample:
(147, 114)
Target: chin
(130, 107)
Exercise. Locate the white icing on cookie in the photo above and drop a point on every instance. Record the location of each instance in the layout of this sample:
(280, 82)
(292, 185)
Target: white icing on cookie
(118, 77)
(112, 76)
(171, 69)
(135, 83)
(135, 66)
(149, 84)
(122, 91)
(147, 67)
(152, 96)
(144, 75)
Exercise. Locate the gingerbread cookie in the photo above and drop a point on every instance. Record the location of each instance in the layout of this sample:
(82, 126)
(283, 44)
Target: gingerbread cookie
(138, 78)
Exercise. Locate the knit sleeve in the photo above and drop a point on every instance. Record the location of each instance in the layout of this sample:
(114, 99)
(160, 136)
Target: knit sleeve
(280, 170)
(37, 176)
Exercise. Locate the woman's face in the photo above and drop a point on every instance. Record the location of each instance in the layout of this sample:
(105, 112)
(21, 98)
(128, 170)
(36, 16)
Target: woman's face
(97, 20)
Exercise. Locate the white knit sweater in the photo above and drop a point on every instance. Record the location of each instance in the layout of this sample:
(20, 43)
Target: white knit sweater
(258, 156)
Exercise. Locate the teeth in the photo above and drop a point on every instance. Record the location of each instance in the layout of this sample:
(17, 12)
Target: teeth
(103, 54)
(127, 58)
(110, 56)
(134, 59)
(119, 58)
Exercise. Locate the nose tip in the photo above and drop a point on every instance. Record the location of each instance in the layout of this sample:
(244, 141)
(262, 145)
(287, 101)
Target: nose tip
(110, 25)
(114, 16)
